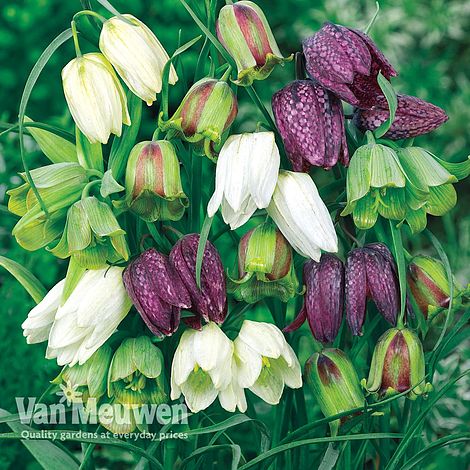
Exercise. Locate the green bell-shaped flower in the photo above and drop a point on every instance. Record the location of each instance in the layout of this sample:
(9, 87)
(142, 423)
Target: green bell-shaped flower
(153, 182)
(375, 185)
(265, 266)
(92, 235)
(397, 365)
(59, 186)
(334, 384)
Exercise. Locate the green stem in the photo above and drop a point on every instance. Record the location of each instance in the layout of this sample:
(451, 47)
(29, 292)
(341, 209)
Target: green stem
(87, 188)
(73, 25)
(257, 101)
(89, 13)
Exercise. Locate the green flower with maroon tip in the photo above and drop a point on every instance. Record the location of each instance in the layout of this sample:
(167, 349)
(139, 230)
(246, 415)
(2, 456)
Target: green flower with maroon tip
(243, 30)
(397, 365)
(92, 235)
(206, 112)
(153, 182)
(334, 384)
(265, 266)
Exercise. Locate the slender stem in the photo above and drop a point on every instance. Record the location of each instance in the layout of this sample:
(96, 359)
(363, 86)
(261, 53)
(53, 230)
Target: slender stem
(75, 38)
(87, 188)
(299, 66)
(257, 101)
(89, 13)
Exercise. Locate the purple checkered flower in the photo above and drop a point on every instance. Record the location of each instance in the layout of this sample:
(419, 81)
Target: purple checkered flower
(311, 122)
(346, 61)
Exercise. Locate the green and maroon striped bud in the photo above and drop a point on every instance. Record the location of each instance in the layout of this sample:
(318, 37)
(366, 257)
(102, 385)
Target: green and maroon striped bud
(397, 365)
(334, 384)
(428, 284)
(153, 182)
(206, 112)
(265, 266)
(244, 31)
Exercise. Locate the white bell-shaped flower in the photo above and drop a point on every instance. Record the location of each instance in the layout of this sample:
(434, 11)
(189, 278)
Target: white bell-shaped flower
(95, 97)
(89, 316)
(137, 55)
(246, 176)
(202, 369)
(265, 361)
(301, 215)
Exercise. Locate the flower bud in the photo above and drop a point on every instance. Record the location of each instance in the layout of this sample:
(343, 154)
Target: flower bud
(95, 97)
(157, 292)
(311, 122)
(153, 182)
(206, 112)
(334, 384)
(89, 379)
(210, 300)
(428, 283)
(265, 266)
(397, 365)
(59, 186)
(137, 55)
(375, 184)
(324, 298)
(346, 61)
(413, 117)
(244, 31)
(92, 235)
(371, 272)
(136, 374)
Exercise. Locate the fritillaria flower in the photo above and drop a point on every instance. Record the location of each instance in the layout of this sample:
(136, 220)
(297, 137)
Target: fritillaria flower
(95, 97)
(301, 215)
(324, 298)
(206, 112)
(346, 62)
(246, 176)
(88, 317)
(202, 370)
(210, 300)
(153, 182)
(265, 361)
(413, 117)
(334, 384)
(156, 291)
(397, 365)
(244, 31)
(371, 273)
(137, 55)
(311, 123)
(265, 266)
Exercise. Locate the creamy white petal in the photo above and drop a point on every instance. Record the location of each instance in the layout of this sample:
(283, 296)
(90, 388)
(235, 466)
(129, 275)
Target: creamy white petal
(220, 175)
(269, 386)
(183, 360)
(264, 338)
(248, 362)
(198, 391)
(237, 219)
(292, 375)
(264, 168)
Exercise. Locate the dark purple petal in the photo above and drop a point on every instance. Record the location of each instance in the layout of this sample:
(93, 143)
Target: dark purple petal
(210, 301)
(346, 62)
(311, 123)
(356, 290)
(382, 284)
(413, 117)
(160, 317)
(165, 279)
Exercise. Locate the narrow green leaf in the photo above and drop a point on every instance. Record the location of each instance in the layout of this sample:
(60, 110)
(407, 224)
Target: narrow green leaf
(206, 227)
(415, 425)
(113, 11)
(47, 454)
(90, 156)
(400, 259)
(391, 97)
(28, 280)
(123, 145)
(54, 147)
(236, 454)
(32, 79)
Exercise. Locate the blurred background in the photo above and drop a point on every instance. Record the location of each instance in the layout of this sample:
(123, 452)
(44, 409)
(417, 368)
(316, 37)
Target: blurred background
(427, 41)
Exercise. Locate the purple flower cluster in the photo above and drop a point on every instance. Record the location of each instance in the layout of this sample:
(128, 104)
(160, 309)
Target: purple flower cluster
(160, 286)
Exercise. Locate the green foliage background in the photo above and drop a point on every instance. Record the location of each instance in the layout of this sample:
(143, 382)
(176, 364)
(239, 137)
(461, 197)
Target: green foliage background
(428, 41)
